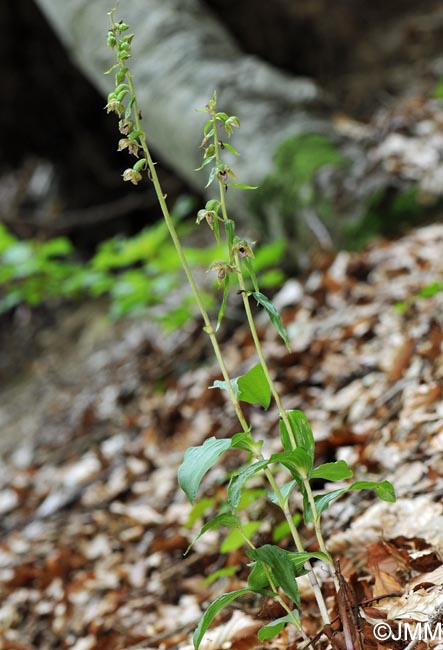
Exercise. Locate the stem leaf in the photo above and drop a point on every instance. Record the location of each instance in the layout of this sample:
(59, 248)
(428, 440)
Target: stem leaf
(254, 388)
(281, 566)
(238, 480)
(222, 310)
(296, 461)
(225, 519)
(273, 315)
(212, 611)
(197, 461)
(304, 438)
(273, 628)
(337, 471)
(230, 148)
(241, 186)
(383, 489)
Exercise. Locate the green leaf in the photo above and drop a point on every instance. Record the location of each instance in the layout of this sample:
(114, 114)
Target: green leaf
(249, 266)
(221, 573)
(238, 480)
(337, 471)
(273, 315)
(58, 247)
(281, 566)
(205, 162)
(254, 387)
(212, 611)
(240, 186)
(221, 116)
(257, 579)
(285, 490)
(224, 519)
(230, 235)
(222, 310)
(212, 174)
(245, 441)
(304, 438)
(430, 290)
(297, 462)
(236, 539)
(322, 502)
(196, 463)
(230, 148)
(383, 489)
(299, 560)
(198, 510)
(273, 628)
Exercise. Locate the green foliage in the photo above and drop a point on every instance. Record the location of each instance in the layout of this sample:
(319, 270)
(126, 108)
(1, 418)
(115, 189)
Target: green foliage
(134, 273)
(438, 90)
(251, 387)
(428, 291)
(274, 569)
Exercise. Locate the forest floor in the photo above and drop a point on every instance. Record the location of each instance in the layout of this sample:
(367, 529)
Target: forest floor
(94, 526)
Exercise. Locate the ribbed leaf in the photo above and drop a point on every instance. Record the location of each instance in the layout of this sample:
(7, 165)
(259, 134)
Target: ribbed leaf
(280, 563)
(212, 611)
(297, 462)
(337, 471)
(196, 463)
(383, 489)
(254, 388)
(302, 433)
(238, 480)
(245, 441)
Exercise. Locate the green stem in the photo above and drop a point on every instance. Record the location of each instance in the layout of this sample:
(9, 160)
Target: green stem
(299, 546)
(174, 236)
(274, 588)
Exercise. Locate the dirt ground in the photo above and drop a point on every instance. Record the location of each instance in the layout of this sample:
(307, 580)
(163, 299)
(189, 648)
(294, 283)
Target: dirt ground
(94, 527)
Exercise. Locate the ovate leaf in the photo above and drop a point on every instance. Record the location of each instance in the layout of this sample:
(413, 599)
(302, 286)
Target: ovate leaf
(278, 560)
(251, 387)
(258, 579)
(212, 611)
(254, 388)
(297, 462)
(241, 186)
(302, 432)
(245, 441)
(337, 471)
(383, 489)
(196, 463)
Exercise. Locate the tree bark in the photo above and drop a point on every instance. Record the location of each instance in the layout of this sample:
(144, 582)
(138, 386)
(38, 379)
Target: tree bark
(181, 55)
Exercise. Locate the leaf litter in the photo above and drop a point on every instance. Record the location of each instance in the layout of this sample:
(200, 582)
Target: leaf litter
(94, 527)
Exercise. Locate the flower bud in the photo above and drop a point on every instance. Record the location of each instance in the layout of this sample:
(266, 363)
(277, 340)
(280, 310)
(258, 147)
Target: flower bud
(132, 175)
